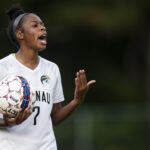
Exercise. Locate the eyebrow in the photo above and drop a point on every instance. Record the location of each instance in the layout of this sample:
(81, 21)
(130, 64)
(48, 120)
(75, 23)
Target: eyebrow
(35, 21)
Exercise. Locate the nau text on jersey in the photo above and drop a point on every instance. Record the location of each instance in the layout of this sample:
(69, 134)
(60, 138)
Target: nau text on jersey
(42, 96)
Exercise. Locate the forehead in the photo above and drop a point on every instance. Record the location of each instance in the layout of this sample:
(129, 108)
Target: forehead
(31, 18)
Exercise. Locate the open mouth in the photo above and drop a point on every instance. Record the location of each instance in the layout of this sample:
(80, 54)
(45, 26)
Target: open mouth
(43, 38)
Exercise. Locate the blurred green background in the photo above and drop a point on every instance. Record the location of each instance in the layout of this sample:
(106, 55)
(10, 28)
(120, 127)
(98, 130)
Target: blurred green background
(111, 41)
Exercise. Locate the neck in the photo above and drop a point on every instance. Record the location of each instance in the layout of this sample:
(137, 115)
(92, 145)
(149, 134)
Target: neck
(28, 58)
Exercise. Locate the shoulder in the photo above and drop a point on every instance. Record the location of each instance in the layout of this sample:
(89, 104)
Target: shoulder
(49, 64)
(5, 60)
(5, 65)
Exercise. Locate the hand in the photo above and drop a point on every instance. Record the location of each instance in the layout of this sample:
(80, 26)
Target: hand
(21, 116)
(81, 86)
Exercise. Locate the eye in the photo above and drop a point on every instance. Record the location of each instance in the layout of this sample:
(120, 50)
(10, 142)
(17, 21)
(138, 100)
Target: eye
(34, 25)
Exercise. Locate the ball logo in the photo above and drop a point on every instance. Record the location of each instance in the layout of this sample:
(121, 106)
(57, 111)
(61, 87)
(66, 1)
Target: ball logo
(45, 79)
(14, 99)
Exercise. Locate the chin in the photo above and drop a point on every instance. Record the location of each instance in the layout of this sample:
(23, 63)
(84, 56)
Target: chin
(42, 49)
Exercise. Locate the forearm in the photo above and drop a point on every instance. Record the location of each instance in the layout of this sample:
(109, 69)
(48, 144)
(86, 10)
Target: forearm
(81, 87)
(64, 112)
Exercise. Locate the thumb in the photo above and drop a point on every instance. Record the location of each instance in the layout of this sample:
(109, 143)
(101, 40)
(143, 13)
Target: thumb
(91, 82)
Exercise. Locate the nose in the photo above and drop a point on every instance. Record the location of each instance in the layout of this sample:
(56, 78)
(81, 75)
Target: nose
(43, 28)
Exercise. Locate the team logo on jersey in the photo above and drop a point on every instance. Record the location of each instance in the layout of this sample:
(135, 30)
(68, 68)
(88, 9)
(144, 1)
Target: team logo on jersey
(45, 79)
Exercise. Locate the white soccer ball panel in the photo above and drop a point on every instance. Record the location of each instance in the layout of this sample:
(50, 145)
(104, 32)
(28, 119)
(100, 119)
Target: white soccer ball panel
(4, 90)
(15, 85)
(3, 103)
(11, 78)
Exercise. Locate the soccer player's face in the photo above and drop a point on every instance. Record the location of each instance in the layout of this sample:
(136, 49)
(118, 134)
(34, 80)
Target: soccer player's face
(34, 33)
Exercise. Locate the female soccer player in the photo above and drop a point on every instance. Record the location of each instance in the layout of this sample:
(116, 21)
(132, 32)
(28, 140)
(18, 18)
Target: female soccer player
(34, 130)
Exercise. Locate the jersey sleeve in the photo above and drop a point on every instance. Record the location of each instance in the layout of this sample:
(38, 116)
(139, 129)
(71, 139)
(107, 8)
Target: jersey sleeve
(3, 74)
(3, 71)
(58, 94)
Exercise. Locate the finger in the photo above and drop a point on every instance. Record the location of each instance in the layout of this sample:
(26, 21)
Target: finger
(19, 115)
(91, 83)
(23, 115)
(83, 77)
(78, 80)
(27, 113)
(10, 121)
(76, 83)
(19, 112)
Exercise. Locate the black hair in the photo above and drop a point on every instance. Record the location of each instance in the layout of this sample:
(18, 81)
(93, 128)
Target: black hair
(12, 14)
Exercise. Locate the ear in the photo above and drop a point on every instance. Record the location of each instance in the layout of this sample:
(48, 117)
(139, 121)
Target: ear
(19, 35)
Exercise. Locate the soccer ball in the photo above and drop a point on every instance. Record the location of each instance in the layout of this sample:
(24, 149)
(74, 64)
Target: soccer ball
(15, 95)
